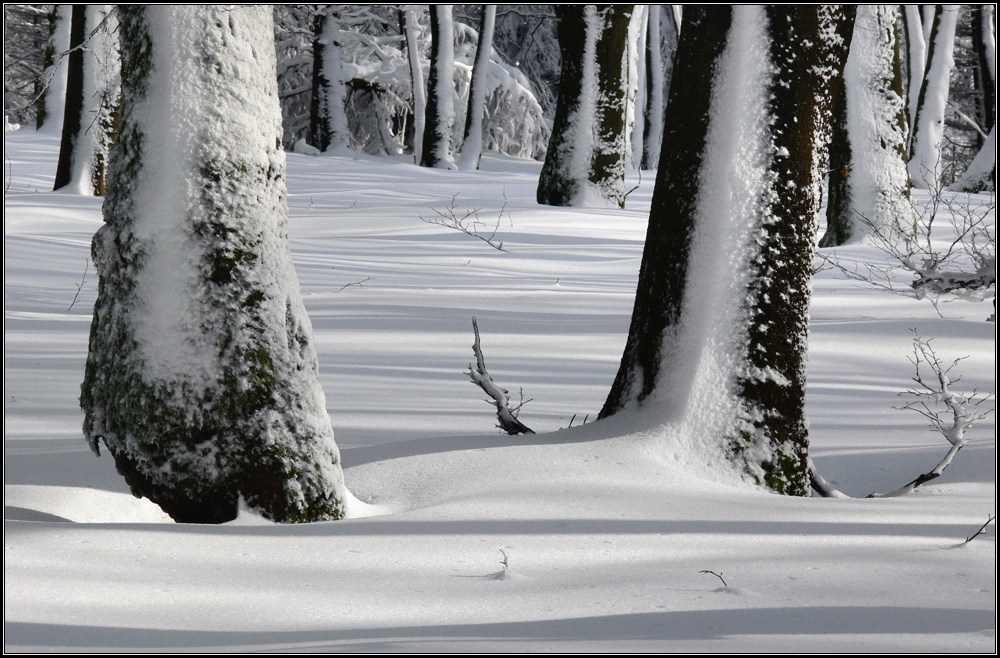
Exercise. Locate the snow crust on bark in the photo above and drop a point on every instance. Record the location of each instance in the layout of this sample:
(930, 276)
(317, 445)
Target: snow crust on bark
(201, 374)
(878, 176)
(696, 398)
(333, 90)
(926, 163)
(418, 93)
(580, 141)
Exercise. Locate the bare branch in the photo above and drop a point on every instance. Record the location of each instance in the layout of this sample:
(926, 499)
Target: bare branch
(469, 223)
(506, 418)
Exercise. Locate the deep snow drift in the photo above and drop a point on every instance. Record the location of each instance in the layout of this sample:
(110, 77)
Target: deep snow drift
(607, 528)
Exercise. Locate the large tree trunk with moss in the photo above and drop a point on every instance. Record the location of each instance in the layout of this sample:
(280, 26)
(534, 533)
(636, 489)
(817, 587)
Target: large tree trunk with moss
(716, 352)
(201, 379)
(869, 184)
(92, 91)
(585, 160)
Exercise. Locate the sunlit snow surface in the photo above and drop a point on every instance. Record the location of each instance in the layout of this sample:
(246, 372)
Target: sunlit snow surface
(606, 528)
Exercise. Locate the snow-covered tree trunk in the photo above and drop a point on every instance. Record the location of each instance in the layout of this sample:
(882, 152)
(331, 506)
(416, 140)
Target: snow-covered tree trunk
(328, 117)
(201, 378)
(440, 116)
(91, 99)
(637, 74)
(52, 101)
(662, 275)
(653, 110)
(869, 183)
(716, 352)
(472, 142)
(916, 56)
(411, 26)
(925, 158)
(585, 160)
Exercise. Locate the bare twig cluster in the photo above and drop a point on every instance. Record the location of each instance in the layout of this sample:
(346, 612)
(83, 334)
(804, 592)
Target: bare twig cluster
(499, 397)
(469, 222)
(948, 248)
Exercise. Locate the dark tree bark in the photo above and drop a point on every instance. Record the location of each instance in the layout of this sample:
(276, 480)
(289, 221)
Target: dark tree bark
(73, 112)
(983, 43)
(319, 131)
(51, 98)
(838, 198)
(92, 91)
(778, 326)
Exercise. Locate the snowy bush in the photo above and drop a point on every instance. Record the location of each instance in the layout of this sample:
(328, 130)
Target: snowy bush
(378, 95)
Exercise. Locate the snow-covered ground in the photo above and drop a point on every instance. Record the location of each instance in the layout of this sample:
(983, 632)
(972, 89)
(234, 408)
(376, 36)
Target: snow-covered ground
(608, 532)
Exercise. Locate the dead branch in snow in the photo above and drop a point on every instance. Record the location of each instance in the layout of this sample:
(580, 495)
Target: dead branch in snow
(506, 417)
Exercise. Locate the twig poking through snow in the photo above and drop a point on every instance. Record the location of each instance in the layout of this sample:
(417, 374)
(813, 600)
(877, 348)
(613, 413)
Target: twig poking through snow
(717, 575)
(357, 283)
(982, 528)
(506, 417)
(79, 286)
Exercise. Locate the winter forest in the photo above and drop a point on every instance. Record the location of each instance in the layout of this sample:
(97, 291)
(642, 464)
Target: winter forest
(722, 280)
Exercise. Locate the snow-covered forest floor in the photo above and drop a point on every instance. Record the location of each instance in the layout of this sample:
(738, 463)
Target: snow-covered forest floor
(608, 529)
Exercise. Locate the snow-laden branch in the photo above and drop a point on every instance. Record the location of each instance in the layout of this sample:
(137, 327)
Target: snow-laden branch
(506, 417)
